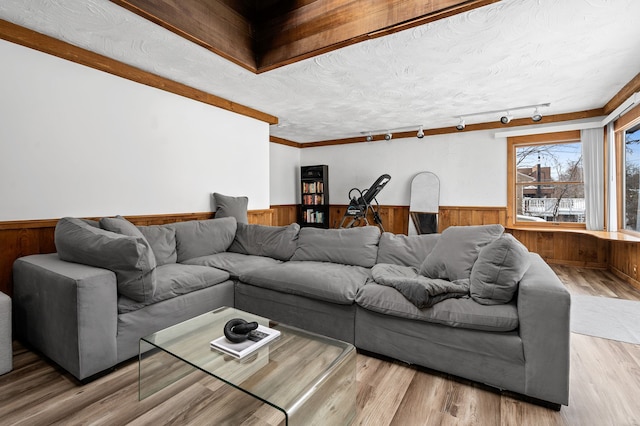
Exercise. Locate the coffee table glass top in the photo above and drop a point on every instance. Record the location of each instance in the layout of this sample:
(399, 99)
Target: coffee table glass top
(297, 367)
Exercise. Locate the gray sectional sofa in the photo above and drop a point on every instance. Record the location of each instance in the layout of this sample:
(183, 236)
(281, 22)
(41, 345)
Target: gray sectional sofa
(471, 302)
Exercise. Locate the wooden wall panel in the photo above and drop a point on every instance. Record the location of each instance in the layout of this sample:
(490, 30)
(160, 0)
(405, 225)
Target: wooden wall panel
(22, 238)
(285, 214)
(466, 216)
(625, 260)
(566, 248)
(394, 218)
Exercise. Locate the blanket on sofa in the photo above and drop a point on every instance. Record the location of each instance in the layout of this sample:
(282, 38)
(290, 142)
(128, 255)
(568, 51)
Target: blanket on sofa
(421, 291)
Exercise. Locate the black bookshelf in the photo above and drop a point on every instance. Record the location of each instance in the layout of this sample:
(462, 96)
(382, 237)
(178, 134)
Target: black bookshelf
(314, 188)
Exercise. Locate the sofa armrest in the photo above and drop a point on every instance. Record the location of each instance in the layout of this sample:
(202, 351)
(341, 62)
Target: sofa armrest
(67, 311)
(544, 309)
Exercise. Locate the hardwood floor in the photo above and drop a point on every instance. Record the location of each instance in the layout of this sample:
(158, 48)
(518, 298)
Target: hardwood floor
(605, 384)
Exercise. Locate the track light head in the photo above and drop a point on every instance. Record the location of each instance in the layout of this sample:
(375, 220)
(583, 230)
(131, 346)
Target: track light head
(369, 137)
(506, 119)
(420, 134)
(388, 136)
(461, 125)
(536, 115)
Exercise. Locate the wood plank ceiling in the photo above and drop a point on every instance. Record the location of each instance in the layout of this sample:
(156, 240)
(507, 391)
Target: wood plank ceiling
(267, 34)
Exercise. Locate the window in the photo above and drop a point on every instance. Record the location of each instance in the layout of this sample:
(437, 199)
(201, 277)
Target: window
(546, 181)
(628, 137)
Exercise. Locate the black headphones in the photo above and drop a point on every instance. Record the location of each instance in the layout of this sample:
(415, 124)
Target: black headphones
(237, 330)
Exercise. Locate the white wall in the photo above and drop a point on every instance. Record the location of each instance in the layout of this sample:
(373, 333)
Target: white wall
(79, 142)
(471, 166)
(285, 174)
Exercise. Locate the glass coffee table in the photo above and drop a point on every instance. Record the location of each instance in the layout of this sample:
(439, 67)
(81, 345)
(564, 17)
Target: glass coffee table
(310, 378)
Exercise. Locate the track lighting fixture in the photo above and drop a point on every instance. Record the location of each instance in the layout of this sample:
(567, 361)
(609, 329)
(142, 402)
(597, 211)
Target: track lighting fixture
(536, 115)
(506, 119)
(404, 132)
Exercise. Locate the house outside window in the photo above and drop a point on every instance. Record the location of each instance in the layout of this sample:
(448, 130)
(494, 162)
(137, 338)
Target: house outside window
(546, 183)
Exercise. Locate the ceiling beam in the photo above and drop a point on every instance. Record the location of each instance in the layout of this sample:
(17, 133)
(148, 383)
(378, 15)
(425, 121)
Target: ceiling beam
(43, 43)
(311, 28)
(214, 25)
(625, 93)
(261, 36)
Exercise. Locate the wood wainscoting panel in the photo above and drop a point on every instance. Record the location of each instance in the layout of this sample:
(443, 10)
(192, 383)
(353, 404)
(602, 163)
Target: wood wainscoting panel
(285, 214)
(25, 237)
(470, 215)
(566, 248)
(394, 218)
(624, 261)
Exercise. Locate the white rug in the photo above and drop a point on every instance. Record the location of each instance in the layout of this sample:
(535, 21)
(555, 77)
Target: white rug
(605, 317)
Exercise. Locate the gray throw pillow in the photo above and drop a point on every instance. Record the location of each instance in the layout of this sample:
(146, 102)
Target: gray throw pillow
(196, 238)
(277, 242)
(405, 250)
(227, 206)
(130, 258)
(498, 270)
(352, 246)
(162, 239)
(120, 225)
(457, 250)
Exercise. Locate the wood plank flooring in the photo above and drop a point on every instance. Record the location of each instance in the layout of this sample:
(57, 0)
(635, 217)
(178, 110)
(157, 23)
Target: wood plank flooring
(605, 385)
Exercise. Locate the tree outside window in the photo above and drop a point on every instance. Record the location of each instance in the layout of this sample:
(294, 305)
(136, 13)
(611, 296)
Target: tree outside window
(548, 182)
(632, 178)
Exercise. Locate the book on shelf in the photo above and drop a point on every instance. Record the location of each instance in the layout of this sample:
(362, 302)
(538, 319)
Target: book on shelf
(312, 187)
(257, 339)
(312, 199)
(313, 216)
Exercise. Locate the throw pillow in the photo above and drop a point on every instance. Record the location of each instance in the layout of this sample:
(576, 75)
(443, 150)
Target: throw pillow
(130, 258)
(498, 270)
(278, 242)
(162, 239)
(351, 246)
(405, 250)
(120, 225)
(231, 207)
(196, 238)
(457, 250)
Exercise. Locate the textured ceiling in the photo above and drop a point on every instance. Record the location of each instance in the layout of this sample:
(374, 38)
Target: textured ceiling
(575, 54)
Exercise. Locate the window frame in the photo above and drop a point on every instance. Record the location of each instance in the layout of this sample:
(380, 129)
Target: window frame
(620, 126)
(528, 140)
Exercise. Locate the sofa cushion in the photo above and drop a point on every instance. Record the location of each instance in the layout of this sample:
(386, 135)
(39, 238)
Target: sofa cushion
(173, 280)
(235, 264)
(235, 207)
(331, 282)
(353, 246)
(405, 250)
(120, 225)
(456, 251)
(162, 239)
(463, 313)
(131, 258)
(498, 270)
(278, 242)
(198, 238)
